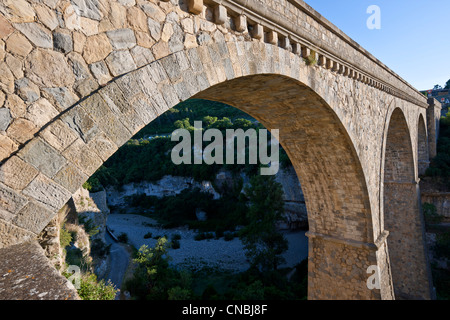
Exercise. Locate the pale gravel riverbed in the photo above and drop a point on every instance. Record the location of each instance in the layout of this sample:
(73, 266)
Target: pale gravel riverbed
(228, 255)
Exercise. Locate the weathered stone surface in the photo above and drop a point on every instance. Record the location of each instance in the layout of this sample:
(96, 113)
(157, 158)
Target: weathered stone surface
(15, 65)
(103, 147)
(81, 123)
(62, 40)
(43, 157)
(96, 48)
(153, 10)
(79, 67)
(107, 121)
(48, 193)
(7, 78)
(70, 178)
(5, 27)
(143, 39)
(7, 146)
(41, 112)
(118, 103)
(87, 8)
(120, 62)
(142, 56)
(89, 27)
(11, 200)
(18, 44)
(18, 10)
(122, 39)
(47, 16)
(37, 34)
(15, 235)
(86, 87)
(137, 20)
(21, 130)
(48, 69)
(90, 161)
(33, 217)
(27, 90)
(29, 275)
(58, 135)
(161, 49)
(17, 174)
(15, 105)
(154, 28)
(5, 118)
(79, 40)
(176, 42)
(100, 72)
(62, 97)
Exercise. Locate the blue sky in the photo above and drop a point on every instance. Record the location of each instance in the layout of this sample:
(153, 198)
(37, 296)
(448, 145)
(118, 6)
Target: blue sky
(414, 39)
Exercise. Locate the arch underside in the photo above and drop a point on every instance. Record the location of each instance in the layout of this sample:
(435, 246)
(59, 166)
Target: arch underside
(402, 214)
(422, 147)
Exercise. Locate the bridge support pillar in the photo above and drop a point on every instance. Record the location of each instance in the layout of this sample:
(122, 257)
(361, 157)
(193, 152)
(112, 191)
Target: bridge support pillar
(411, 274)
(433, 116)
(342, 269)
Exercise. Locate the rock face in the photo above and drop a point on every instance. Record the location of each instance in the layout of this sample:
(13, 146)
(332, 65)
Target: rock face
(93, 207)
(294, 205)
(167, 186)
(294, 202)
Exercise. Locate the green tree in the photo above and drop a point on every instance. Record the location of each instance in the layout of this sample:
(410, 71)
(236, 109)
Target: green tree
(447, 84)
(263, 243)
(154, 260)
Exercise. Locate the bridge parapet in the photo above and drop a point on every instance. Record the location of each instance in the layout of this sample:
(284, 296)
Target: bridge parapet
(295, 26)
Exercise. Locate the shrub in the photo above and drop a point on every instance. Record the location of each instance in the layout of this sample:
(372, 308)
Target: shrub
(228, 236)
(176, 236)
(65, 237)
(148, 235)
(92, 289)
(123, 237)
(175, 244)
(430, 213)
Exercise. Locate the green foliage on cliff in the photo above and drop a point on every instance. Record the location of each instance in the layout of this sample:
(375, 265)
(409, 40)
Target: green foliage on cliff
(264, 245)
(155, 279)
(149, 159)
(440, 165)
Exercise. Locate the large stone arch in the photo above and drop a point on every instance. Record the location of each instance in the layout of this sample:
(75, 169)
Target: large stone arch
(320, 149)
(402, 213)
(68, 149)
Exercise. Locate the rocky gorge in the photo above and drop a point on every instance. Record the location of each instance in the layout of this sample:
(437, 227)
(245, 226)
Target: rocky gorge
(109, 208)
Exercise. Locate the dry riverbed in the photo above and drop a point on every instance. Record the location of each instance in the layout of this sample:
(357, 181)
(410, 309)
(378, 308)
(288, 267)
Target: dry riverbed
(228, 255)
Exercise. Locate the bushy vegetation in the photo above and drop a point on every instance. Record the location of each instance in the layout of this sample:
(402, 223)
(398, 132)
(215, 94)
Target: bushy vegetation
(263, 243)
(439, 168)
(224, 214)
(90, 287)
(439, 172)
(155, 279)
(143, 159)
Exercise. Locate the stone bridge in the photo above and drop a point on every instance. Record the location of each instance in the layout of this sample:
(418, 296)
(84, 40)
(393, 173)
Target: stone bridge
(81, 77)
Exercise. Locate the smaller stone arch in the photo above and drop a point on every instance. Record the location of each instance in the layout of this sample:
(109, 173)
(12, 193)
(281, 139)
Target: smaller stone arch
(402, 215)
(423, 158)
